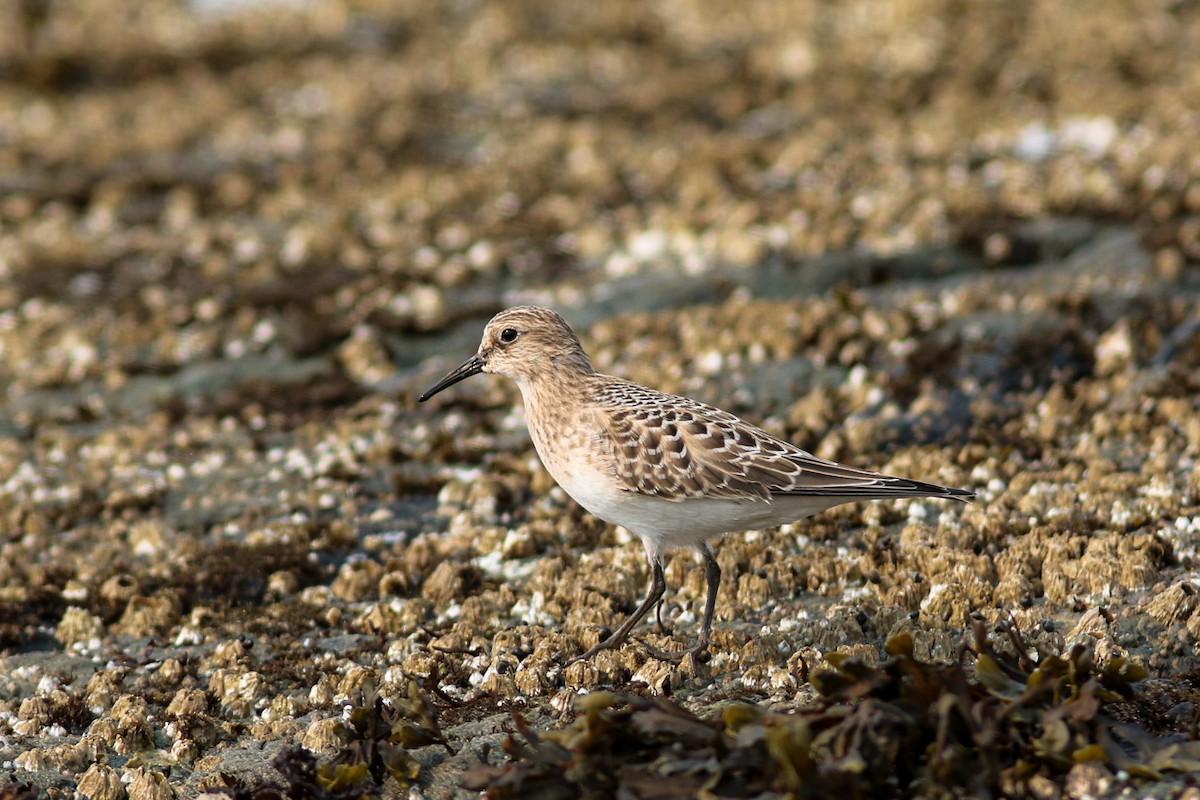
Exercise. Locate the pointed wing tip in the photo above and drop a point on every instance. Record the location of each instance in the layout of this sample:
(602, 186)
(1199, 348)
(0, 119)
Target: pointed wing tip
(943, 492)
(885, 487)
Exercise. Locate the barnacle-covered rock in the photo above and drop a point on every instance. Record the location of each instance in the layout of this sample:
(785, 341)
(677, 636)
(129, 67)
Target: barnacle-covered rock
(1174, 605)
(34, 760)
(101, 782)
(357, 580)
(147, 784)
(134, 731)
(324, 736)
(169, 674)
(397, 617)
(358, 682)
(79, 628)
(230, 653)
(239, 691)
(33, 716)
(499, 680)
(147, 616)
(450, 581)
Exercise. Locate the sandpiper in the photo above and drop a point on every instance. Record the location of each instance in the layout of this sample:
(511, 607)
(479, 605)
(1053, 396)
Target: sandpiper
(674, 471)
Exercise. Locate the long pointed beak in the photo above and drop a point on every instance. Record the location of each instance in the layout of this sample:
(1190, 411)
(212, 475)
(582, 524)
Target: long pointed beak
(473, 366)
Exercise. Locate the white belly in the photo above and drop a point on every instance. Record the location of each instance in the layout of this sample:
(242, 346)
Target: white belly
(663, 524)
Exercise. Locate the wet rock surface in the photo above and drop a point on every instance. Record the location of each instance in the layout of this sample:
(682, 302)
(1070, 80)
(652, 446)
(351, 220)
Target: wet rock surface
(957, 243)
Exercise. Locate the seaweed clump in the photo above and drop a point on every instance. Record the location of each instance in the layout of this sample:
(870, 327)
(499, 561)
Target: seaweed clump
(989, 724)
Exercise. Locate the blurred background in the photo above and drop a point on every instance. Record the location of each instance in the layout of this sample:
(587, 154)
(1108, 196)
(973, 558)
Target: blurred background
(277, 174)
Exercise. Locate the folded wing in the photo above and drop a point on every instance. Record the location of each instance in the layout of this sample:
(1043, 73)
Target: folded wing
(675, 448)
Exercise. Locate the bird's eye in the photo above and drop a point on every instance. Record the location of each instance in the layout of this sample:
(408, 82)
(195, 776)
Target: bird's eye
(508, 335)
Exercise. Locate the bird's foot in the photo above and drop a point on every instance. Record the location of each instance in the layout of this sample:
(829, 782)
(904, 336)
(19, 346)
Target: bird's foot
(698, 651)
(611, 643)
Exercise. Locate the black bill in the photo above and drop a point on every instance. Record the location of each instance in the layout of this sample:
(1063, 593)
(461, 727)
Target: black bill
(473, 366)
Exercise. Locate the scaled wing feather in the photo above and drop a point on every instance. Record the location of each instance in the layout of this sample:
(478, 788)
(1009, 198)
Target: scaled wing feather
(677, 448)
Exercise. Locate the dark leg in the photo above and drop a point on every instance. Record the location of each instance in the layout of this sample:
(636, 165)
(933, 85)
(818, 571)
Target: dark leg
(712, 574)
(658, 616)
(658, 586)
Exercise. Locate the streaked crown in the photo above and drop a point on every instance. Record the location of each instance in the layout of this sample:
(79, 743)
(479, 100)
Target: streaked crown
(523, 341)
